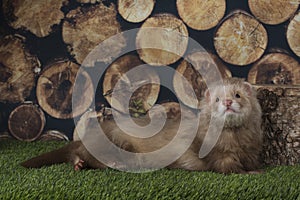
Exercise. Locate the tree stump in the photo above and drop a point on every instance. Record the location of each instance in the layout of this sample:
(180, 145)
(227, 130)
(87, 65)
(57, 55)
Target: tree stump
(162, 40)
(281, 124)
(17, 69)
(142, 99)
(275, 68)
(190, 68)
(201, 15)
(26, 122)
(273, 12)
(55, 86)
(135, 11)
(293, 34)
(86, 27)
(38, 17)
(240, 39)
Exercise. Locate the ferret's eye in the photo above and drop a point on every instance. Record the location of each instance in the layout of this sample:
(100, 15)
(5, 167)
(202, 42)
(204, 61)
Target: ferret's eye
(217, 99)
(237, 95)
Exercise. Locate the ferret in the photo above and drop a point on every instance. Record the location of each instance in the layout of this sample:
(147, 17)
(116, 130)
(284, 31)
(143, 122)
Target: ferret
(236, 150)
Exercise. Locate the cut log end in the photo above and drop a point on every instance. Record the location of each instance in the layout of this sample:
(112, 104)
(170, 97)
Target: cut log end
(275, 68)
(17, 69)
(240, 39)
(86, 28)
(26, 122)
(293, 34)
(198, 69)
(274, 12)
(141, 99)
(55, 90)
(162, 40)
(36, 16)
(201, 15)
(135, 11)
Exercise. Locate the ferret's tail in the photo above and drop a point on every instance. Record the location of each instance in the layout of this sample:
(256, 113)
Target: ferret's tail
(61, 155)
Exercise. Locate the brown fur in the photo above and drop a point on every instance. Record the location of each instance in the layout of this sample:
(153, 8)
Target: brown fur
(236, 151)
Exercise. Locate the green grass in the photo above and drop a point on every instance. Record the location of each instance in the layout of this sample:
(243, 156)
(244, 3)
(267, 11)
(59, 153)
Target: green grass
(62, 182)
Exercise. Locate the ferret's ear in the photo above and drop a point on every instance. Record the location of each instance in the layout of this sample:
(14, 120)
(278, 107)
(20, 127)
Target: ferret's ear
(248, 88)
(207, 95)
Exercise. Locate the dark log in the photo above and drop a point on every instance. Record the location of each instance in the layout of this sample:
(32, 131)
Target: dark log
(26, 122)
(190, 69)
(85, 28)
(18, 69)
(38, 17)
(275, 68)
(55, 86)
(281, 124)
(143, 98)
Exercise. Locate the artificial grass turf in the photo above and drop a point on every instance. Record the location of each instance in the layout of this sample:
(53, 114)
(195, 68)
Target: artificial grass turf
(62, 182)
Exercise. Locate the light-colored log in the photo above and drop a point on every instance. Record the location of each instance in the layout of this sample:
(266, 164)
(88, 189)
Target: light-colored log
(165, 42)
(273, 12)
(240, 39)
(135, 10)
(201, 14)
(293, 34)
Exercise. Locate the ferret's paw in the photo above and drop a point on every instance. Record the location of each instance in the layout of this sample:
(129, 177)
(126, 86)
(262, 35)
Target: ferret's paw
(79, 165)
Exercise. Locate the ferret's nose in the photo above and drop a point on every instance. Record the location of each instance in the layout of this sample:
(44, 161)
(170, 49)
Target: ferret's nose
(227, 102)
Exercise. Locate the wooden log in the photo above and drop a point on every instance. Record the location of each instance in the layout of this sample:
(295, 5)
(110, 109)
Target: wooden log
(274, 12)
(281, 124)
(275, 68)
(38, 17)
(86, 27)
(164, 45)
(5, 136)
(26, 122)
(201, 15)
(293, 34)
(240, 39)
(53, 135)
(89, 1)
(143, 98)
(135, 11)
(190, 69)
(18, 69)
(55, 86)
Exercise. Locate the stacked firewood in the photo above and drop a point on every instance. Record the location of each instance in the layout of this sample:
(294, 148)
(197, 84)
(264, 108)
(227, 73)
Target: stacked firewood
(37, 83)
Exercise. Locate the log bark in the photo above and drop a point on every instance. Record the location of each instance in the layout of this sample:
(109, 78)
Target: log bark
(273, 12)
(53, 135)
(293, 34)
(201, 15)
(54, 90)
(281, 124)
(86, 27)
(240, 39)
(190, 68)
(143, 98)
(18, 69)
(26, 122)
(135, 11)
(38, 17)
(162, 40)
(275, 68)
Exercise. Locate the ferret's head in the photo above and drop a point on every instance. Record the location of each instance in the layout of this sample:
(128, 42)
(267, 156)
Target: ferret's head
(231, 100)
